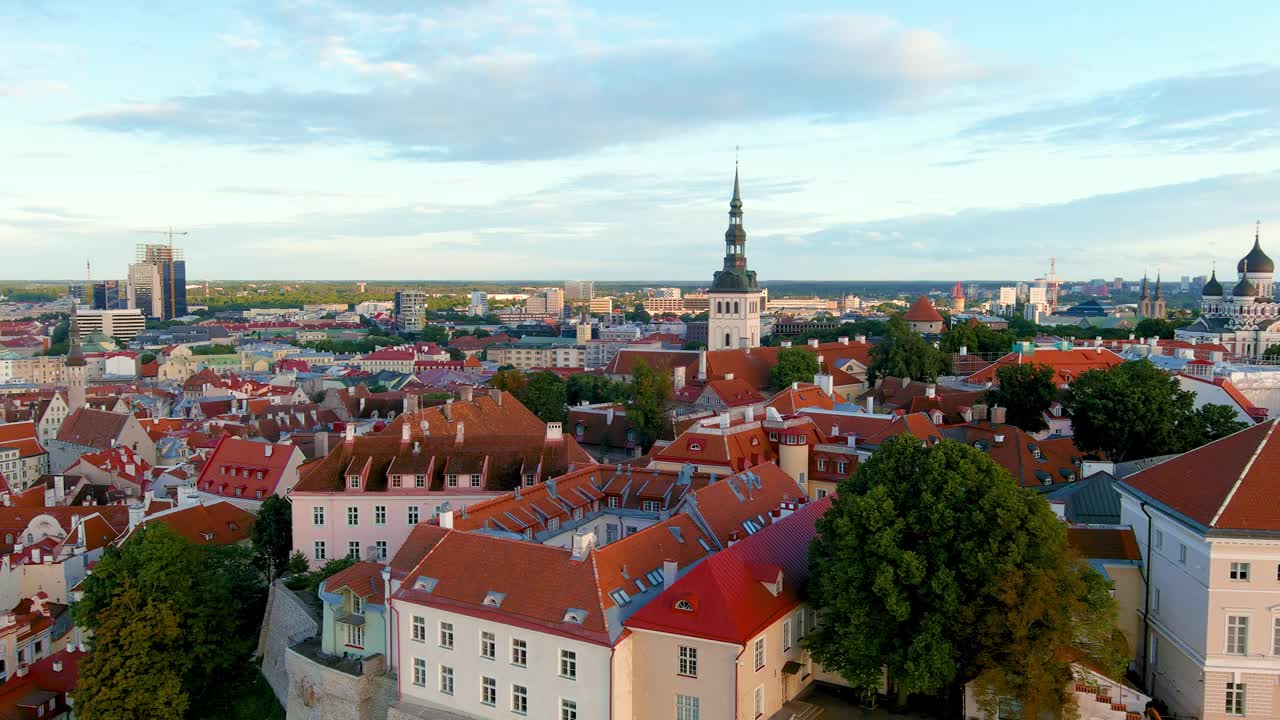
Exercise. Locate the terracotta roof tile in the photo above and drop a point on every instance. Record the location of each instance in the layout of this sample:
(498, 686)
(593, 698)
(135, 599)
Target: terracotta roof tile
(922, 310)
(362, 578)
(1067, 364)
(1104, 543)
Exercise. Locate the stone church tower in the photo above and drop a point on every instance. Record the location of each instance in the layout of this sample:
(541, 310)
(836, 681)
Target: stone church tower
(736, 302)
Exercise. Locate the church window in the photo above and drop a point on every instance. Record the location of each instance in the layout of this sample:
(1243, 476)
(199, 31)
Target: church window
(726, 340)
(735, 307)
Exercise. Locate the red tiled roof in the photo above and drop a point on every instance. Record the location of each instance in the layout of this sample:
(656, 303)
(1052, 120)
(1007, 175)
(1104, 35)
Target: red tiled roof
(245, 466)
(918, 425)
(793, 398)
(1228, 484)
(1104, 543)
(727, 591)
(735, 392)
(362, 578)
(1067, 364)
(1059, 457)
(22, 436)
(662, 361)
(42, 682)
(922, 310)
(93, 428)
(705, 443)
(725, 504)
(218, 523)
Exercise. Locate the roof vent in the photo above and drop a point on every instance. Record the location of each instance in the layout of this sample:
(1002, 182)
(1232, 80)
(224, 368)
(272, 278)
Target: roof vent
(494, 598)
(425, 584)
(575, 616)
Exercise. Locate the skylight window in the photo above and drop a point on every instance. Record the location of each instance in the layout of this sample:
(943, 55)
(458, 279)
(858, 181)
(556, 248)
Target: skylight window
(494, 598)
(655, 576)
(575, 616)
(425, 584)
(620, 597)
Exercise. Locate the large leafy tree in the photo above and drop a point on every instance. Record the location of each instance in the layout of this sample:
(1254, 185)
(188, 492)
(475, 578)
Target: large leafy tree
(543, 393)
(650, 397)
(182, 613)
(1218, 421)
(933, 564)
(794, 364)
(975, 338)
(509, 379)
(903, 353)
(273, 536)
(437, 334)
(591, 388)
(1136, 410)
(1026, 391)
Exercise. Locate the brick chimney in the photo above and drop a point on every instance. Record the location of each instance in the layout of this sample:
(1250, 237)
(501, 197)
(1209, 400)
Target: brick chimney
(998, 415)
(669, 570)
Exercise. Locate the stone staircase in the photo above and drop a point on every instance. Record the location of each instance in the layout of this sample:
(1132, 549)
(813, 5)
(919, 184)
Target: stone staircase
(1097, 703)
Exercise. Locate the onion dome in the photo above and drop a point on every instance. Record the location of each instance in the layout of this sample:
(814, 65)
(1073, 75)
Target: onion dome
(1244, 288)
(1213, 288)
(1256, 261)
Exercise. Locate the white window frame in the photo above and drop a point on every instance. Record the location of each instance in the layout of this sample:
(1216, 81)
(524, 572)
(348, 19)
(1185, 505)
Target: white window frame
(353, 516)
(1237, 636)
(1239, 693)
(688, 665)
(488, 691)
(419, 625)
(568, 664)
(379, 514)
(523, 652)
(1239, 571)
(318, 550)
(488, 641)
(446, 635)
(687, 707)
(786, 634)
(519, 699)
(759, 653)
(419, 672)
(317, 515)
(414, 515)
(446, 680)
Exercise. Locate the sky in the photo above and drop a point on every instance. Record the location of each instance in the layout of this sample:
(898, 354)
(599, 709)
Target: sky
(472, 139)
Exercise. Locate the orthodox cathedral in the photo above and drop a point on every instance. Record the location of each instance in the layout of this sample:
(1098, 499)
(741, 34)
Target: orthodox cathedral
(1246, 320)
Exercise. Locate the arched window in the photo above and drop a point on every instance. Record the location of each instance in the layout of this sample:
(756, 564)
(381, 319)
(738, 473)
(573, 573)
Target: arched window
(735, 307)
(719, 307)
(726, 340)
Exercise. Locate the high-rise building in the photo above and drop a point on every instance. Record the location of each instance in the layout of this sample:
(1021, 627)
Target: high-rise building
(172, 286)
(144, 289)
(736, 302)
(600, 306)
(106, 296)
(665, 292)
(410, 309)
(121, 324)
(579, 289)
(546, 301)
(479, 304)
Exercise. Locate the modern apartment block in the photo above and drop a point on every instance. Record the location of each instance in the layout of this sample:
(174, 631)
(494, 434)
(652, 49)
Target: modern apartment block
(410, 310)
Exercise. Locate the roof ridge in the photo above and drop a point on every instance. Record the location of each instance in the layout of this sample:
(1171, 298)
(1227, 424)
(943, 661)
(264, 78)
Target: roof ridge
(1240, 480)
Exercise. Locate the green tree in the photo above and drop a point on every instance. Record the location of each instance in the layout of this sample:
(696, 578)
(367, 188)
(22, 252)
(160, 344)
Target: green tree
(903, 353)
(590, 388)
(1027, 391)
(379, 388)
(481, 333)
(975, 338)
(509, 379)
(1273, 351)
(923, 561)
(543, 393)
(437, 334)
(1132, 410)
(794, 365)
(1218, 421)
(273, 536)
(650, 397)
(455, 354)
(161, 602)
(297, 564)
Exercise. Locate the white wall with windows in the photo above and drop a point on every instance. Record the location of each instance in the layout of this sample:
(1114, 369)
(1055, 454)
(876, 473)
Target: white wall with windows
(489, 669)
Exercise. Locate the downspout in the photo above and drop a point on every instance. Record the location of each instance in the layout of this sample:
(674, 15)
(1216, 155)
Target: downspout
(395, 611)
(737, 671)
(613, 649)
(1146, 607)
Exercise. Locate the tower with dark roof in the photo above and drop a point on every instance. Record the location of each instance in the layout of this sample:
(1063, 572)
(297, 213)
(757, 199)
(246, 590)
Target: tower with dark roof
(1247, 319)
(76, 368)
(735, 303)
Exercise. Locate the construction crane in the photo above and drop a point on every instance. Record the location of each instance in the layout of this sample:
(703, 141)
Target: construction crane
(1052, 281)
(173, 298)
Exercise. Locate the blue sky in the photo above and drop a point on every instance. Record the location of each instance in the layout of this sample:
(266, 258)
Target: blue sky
(450, 139)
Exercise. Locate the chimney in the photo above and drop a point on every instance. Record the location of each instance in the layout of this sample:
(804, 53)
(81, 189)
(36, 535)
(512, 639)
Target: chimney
(496, 394)
(843, 340)
(404, 432)
(852, 439)
(458, 438)
(446, 516)
(465, 393)
(871, 404)
(57, 665)
(999, 436)
(964, 350)
(136, 513)
(931, 390)
(677, 377)
(35, 555)
(906, 381)
(555, 432)
(998, 415)
(1097, 341)
(813, 342)
(608, 416)
(321, 440)
(71, 645)
(22, 670)
(734, 537)
(583, 541)
(187, 495)
(350, 434)
(702, 366)
(448, 409)
(728, 376)
(786, 343)
(60, 486)
(979, 411)
(750, 414)
(826, 383)
(724, 420)
(266, 450)
(669, 569)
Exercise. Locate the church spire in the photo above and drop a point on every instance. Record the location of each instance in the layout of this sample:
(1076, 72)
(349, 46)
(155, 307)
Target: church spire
(1144, 294)
(735, 275)
(1159, 292)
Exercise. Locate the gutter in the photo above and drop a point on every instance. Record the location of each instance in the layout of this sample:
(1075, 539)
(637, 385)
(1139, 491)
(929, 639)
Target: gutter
(1146, 607)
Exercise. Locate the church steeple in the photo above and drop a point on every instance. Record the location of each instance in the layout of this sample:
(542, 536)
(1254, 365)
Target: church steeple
(1159, 292)
(1144, 294)
(735, 276)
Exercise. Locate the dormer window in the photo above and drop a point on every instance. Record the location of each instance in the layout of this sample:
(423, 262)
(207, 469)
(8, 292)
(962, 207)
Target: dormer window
(353, 481)
(475, 481)
(695, 446)
(451, 480)
(684, 605)
(528, 479)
